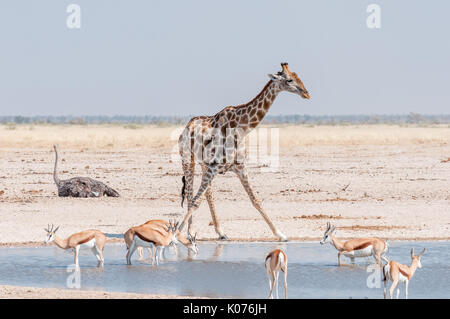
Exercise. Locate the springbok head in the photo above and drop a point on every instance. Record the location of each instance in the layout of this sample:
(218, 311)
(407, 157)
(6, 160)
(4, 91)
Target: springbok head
(172, 229)
(417, 258)
(50, 234)
(328, 233)
(289, 81)
(193, 244)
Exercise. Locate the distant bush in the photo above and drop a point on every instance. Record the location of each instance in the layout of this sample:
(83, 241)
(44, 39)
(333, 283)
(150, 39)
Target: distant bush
(132, 126)
(399, 119)
(78, 121)
(11, 126)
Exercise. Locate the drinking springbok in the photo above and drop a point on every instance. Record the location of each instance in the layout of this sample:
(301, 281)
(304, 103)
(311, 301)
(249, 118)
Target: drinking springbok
(399, 273)
(189, 242)
(355, 248)
(147, 236)
(276, 260)
(92, 239)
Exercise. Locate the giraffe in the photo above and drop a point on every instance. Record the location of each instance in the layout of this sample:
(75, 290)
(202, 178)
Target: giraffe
(214, 142)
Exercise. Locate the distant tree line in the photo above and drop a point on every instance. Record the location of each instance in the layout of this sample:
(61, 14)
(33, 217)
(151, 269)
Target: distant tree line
(411, 118)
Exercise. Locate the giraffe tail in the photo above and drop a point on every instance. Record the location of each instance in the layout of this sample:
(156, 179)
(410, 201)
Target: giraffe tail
(183, 190)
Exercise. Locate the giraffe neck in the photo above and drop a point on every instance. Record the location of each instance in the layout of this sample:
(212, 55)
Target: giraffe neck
(255, 110)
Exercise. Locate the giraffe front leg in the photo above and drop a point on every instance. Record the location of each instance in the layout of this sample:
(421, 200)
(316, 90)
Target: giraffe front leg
(241, 172)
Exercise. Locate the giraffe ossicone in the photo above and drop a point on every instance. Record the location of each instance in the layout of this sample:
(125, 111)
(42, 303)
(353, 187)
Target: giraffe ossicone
(216, 144)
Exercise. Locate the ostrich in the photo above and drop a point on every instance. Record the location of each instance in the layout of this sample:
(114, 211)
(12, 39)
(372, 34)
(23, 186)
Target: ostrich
(80, 186)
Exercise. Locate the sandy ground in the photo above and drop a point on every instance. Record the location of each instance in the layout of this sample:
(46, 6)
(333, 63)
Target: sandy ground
(16, 292)
(376, 180)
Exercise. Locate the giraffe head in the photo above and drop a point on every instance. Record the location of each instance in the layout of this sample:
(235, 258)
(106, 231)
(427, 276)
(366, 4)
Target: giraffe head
(289, 81)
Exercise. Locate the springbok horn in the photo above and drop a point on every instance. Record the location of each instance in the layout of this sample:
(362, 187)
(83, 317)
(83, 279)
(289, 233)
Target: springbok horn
(56, 229)
(412, 252)
(423, 251)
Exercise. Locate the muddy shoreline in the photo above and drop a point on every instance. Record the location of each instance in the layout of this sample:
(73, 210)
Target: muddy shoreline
(20, 292)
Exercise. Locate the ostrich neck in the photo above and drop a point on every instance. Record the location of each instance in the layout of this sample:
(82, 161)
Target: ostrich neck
(55, 170)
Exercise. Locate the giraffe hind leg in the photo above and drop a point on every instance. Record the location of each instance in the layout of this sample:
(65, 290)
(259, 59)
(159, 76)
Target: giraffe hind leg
(189, 171)
(212, 209)
(207, 177)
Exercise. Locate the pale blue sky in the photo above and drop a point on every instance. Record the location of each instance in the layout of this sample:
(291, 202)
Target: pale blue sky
(196, 57)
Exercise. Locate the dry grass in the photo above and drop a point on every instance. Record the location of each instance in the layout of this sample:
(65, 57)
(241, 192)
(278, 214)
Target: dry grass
(109, 136)
(84, 137)
(362, 134)
(318, 216)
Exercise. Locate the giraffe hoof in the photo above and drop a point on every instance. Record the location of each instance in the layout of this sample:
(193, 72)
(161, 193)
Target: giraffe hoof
(223, 237)
(282, 238)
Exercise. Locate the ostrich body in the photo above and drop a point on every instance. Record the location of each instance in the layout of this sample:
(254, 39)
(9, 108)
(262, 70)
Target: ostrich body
(80, 186)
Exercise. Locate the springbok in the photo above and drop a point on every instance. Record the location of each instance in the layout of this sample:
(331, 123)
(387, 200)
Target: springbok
(92, 239)
(147, 236)
(189, 242)
(276, 260)
(399, 273)
(355, 248)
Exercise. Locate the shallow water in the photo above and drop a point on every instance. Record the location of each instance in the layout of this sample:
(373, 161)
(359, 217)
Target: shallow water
(233, 270)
